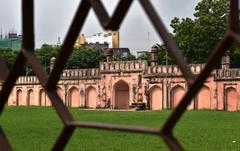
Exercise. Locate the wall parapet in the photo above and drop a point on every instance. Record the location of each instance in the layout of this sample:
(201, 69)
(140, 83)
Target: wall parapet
(171, 70)
(27, 80)
(123, 66)
(227, 74)
(92, 73)
(66, 74)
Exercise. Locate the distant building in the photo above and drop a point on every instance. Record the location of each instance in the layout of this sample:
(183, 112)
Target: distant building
(110, 38)
(120, 52)
(102, 41)
(11, 40)
(101, 47)
(139, 53)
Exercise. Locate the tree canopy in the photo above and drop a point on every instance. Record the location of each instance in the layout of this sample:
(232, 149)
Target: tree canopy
(81, 57)
(197, 37)
(84, 57)
(124, 58)
(8, 55)
(146, 56)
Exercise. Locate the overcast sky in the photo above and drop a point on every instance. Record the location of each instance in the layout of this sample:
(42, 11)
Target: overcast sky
(53, 17)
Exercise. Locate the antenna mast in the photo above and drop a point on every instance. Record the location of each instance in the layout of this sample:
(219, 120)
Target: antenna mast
(59, 41)
(1, 33)
(148, 41)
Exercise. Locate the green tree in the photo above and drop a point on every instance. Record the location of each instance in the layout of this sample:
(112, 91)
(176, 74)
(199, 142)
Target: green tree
(146, 56)
(127, 57)
(9, 56)
(45, 53)
(83, 57)
(163, 57)
(197, 37)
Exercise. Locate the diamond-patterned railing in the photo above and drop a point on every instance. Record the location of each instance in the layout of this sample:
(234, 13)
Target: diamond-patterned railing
(26, 55)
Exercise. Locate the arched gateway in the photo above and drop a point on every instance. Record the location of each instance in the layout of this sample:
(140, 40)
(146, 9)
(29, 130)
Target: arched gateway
(121, 95)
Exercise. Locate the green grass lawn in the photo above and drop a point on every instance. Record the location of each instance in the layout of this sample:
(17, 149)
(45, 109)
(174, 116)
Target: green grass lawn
(36, 128)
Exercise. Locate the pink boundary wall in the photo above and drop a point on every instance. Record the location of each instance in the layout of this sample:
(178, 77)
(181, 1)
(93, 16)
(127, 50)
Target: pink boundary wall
(118, 84)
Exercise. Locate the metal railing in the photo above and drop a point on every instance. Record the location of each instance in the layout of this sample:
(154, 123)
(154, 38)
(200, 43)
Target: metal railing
(26, 55)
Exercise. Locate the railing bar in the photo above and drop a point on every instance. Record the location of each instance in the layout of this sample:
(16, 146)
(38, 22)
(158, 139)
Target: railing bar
(100, 12)
(11, 79)
(26, 54)
(28, 43)
(28, 24)
(168, 41)
(234, 15)
(215, 56)
(4, 144)
(69, 41)
(235, 37)
(172, 142)
(3, 69)
(119, 14)
(115, 127)
(36, 66)
(59, 106)
(63, 138)
(54, 97)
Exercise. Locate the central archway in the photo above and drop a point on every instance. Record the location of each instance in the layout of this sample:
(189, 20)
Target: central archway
(121, 97)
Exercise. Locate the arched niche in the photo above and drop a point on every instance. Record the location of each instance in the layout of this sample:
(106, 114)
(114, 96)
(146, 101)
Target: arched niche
(30, 97)
(204, 98)
(176, 95)
(74, 97)
(19, 98)
(91, 97)
(155, 98)
(231, 99)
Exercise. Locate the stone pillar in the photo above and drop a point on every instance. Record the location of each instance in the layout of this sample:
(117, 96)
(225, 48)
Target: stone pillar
(154, 56)
(109, 55)
(52, 62)
(225, 62)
